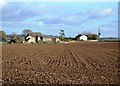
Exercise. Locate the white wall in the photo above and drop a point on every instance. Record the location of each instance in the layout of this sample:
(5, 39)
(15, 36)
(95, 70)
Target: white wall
(50, 39)
(32, 39)
(47, 39)
(83, 37)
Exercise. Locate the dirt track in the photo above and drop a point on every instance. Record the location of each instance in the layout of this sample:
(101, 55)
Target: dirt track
(74, 63)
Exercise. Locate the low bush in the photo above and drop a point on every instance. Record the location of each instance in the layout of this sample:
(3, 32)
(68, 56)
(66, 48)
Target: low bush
(45, 42)
(4, 43)
(65, 39)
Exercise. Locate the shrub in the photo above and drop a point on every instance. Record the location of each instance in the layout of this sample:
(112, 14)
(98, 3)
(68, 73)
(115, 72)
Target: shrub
(44, 42)
(4, 43)
(81, 40)
(65, 39)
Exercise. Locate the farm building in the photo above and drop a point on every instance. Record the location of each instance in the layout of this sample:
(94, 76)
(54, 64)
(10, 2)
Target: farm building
(50, 38)
(83, 37)
(15, 38)
(8, 38)
(34, 38)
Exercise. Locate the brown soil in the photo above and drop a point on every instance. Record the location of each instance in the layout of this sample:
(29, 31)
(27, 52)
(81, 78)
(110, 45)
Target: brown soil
(73, 63)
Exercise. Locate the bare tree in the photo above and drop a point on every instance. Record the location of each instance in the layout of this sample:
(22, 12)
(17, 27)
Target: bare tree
(26, 31)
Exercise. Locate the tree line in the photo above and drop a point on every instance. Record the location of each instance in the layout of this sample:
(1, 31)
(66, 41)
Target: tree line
(19, 38)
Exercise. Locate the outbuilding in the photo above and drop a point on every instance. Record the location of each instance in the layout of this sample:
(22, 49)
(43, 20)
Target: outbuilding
(34, 38)
(49, 38)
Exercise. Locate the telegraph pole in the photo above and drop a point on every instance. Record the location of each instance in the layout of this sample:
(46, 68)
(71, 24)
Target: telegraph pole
(99, 34)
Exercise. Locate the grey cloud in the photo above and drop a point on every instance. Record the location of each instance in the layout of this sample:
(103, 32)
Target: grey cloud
(66, 20)
(18, 12)
(110, 25)
(97, 14)
(18, 24)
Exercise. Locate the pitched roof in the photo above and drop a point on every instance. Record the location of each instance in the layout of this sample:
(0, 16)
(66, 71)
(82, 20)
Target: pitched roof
(34, 34)
(44, 36)
(49, 36)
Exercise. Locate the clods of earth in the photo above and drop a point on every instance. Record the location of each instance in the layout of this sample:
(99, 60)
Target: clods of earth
(71, 63)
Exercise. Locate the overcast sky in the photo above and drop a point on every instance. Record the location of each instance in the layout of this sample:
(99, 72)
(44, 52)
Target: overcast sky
(50, 17)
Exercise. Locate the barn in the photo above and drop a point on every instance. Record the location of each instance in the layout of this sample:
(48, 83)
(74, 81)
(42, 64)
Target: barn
(49, 38)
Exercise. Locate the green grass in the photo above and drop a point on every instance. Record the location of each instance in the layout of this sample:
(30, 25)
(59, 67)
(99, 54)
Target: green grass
(3, 43)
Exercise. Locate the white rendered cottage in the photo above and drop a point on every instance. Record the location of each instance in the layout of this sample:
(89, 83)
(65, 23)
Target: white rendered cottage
(83, 37)
(32, 38)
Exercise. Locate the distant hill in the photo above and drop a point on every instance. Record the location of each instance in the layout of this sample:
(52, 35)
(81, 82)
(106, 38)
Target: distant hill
(112, 39)
(109, 38)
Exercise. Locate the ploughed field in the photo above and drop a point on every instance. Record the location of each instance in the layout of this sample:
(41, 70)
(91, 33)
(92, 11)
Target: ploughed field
(72, 63)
